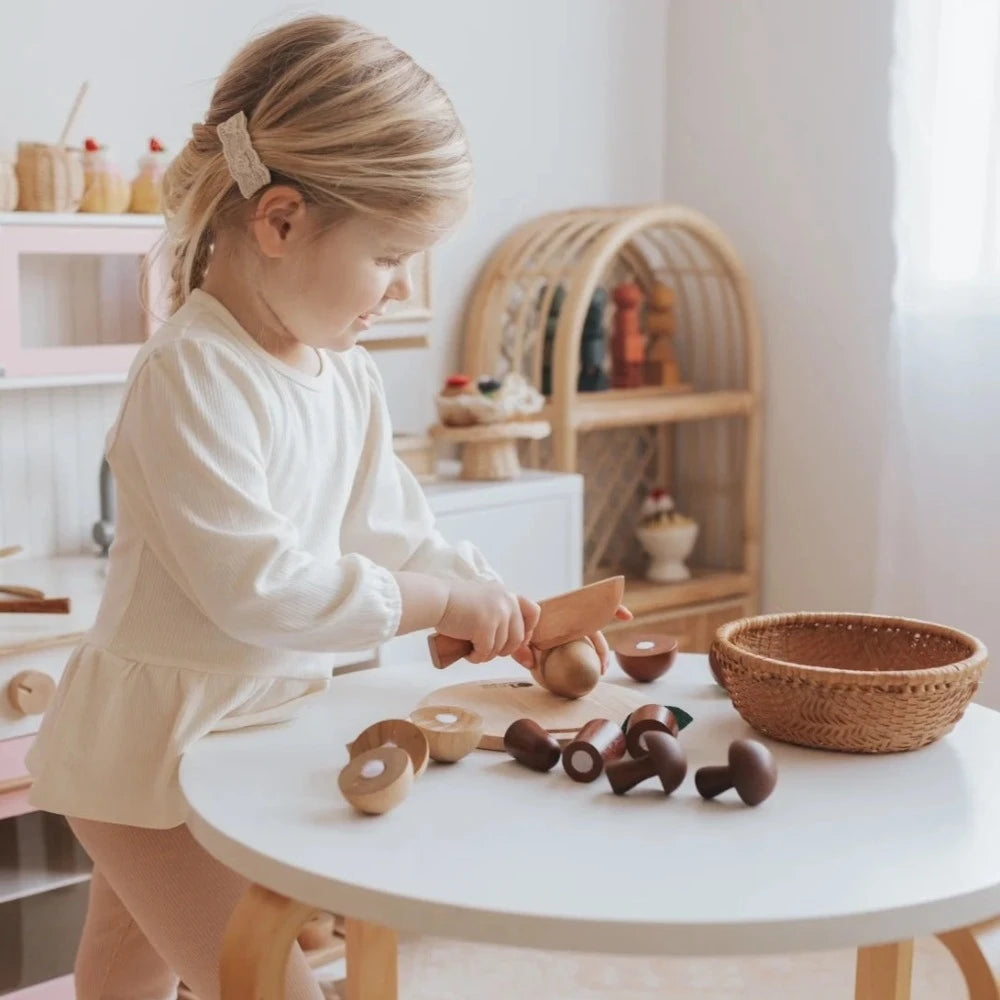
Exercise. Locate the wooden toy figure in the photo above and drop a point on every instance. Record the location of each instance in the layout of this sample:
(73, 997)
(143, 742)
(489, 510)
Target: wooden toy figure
(661, 325)
(548, 348)
(593, 348)
(628, 346)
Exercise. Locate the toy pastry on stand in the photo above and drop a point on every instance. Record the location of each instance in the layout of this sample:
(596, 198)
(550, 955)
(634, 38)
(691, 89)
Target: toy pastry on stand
(487, 418)
(667, 536)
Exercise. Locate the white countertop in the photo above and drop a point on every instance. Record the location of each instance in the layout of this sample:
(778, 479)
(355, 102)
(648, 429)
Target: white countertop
(850, 850)
(80, 578)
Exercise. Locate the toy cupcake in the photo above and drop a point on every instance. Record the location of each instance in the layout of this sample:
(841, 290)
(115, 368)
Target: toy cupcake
(146, 186)
(104, 187)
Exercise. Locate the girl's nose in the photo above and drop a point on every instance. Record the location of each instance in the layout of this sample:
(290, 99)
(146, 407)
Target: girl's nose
(401, 286)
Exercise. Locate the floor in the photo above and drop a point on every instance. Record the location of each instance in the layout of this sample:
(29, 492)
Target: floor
(432, 969)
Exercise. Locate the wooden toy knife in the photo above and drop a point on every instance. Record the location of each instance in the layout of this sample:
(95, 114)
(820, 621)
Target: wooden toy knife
(563, 618)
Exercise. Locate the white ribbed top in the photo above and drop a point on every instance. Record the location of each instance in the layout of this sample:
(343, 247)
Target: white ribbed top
(260, 510)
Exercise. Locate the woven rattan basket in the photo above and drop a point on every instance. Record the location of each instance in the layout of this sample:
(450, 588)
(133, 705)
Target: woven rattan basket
(860, 683)
(50, 177)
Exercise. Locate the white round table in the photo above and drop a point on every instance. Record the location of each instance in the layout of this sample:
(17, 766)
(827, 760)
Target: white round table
(850, 850)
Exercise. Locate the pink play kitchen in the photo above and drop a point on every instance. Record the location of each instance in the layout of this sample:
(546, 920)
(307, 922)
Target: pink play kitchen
(43, 871)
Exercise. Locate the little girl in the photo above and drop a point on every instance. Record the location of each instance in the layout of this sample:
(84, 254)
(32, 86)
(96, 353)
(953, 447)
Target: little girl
(263, 518)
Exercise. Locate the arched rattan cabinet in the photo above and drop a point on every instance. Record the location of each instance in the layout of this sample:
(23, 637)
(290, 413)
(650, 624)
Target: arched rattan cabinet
(701, 442)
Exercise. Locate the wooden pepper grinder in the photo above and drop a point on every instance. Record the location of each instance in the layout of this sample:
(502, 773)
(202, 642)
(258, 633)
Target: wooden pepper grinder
(592, 376)
(661, 325)
(597, 743)
(627, 343)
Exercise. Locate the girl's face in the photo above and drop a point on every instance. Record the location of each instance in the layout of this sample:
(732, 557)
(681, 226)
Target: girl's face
(324, 286)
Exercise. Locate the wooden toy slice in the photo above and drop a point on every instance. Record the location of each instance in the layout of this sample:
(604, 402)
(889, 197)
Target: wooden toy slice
(394, 732)
(451, 731)
(377, 780)
(502, 701)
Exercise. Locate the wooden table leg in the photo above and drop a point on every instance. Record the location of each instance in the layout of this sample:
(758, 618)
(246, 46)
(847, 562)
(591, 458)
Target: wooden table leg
(372, 961)
(976, 950)
(257, 943)
(884, 972)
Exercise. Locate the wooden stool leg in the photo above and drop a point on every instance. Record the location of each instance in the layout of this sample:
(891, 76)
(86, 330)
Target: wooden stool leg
(884, 972)
(372, 962)
(258, 941)
(972, 949)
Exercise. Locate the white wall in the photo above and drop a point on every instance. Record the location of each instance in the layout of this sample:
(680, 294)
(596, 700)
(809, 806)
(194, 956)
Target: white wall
(563, 101)
(777, 126)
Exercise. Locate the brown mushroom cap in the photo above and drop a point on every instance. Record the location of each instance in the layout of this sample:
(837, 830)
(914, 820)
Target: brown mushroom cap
(753, 771)
(666, 752)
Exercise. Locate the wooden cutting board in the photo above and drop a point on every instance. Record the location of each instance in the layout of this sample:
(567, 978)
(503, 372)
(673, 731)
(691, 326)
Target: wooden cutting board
(503, 701)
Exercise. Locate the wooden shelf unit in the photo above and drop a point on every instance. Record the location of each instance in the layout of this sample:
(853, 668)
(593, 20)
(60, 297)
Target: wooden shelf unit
(701, 440)
(618, 408)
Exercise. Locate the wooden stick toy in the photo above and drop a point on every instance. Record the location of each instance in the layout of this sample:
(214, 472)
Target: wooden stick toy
(664, 758)
(377, 780)
(751, 771)
(563, 618)
(597, 743)
(647, 719)
(64, 135)
(451, 732)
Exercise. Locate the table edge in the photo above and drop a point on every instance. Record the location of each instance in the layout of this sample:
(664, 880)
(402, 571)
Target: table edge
(406, 914)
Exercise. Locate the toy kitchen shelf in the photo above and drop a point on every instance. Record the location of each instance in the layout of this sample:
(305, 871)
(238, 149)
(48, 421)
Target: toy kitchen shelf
(70, 305)
(71, 308)
(696, 435)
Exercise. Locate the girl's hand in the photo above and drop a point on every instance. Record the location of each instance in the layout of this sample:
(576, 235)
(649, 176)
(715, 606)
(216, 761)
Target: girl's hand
(525, 654)
(494, 620)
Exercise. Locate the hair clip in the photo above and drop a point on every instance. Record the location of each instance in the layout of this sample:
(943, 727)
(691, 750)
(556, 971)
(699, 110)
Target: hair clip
(244, 164)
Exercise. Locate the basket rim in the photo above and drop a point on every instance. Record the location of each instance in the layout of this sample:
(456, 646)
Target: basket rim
(977, 657)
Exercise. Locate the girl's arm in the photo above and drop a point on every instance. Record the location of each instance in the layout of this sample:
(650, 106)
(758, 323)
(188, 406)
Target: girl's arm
(188, 454)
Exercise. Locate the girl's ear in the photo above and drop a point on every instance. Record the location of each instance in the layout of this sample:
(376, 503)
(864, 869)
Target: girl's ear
(279, 221)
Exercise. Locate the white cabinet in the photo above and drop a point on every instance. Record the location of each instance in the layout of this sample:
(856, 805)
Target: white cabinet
(529, 529)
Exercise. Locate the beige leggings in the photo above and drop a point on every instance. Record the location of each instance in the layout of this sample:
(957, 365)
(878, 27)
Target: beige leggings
(159, 905)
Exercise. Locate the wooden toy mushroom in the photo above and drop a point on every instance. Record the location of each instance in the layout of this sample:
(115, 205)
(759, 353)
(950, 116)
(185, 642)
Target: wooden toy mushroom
(647, 719)
(451, 732)
(531, 745)
(751, 771)
(664, 758)
(571, 670)
(597, 743)
(377, 780)
(395, 732)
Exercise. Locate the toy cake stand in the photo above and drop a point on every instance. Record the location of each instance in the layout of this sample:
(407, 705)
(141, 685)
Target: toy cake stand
(489, 451)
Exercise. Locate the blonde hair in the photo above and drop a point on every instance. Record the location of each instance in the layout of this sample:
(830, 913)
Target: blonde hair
(336, 111)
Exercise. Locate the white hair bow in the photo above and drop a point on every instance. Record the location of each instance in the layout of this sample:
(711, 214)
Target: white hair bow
(244, 164)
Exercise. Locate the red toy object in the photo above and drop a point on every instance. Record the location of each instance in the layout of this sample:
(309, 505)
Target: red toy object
(155, 146)
(91, 145)
(628, 346)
